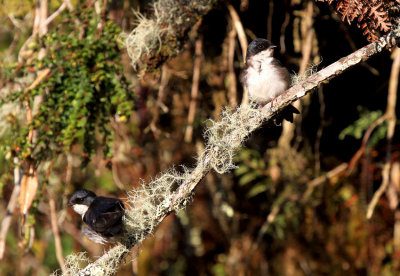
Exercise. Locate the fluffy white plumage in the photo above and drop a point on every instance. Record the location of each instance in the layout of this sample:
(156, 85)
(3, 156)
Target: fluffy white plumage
(264, 77)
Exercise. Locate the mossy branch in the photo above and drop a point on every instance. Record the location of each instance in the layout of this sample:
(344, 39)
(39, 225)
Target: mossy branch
(161, 36)
(172, 191)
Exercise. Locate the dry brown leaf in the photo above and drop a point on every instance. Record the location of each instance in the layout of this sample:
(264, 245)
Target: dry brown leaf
(29, 186)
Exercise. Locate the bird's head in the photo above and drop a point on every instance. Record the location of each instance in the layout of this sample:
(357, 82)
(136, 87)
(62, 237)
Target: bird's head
(81, 200)
(259, 45)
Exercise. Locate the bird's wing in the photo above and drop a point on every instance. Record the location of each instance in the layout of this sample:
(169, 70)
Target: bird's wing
(104, 213)
(93, 235)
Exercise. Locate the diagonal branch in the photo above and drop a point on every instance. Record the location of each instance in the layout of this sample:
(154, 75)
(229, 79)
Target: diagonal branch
(230, 133)
(56, 233)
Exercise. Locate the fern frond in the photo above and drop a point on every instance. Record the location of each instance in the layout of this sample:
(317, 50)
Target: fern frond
(373, 16)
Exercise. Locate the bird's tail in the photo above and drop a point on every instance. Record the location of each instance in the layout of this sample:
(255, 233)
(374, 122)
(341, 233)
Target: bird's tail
(286, 114)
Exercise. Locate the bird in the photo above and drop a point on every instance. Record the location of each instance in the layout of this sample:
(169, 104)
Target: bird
(102, 215)
(265, 77)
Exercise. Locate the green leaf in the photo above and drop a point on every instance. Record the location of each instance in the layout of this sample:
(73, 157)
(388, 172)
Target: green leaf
(247, 178)
(257, 189)
(357, 129)
(242, 169)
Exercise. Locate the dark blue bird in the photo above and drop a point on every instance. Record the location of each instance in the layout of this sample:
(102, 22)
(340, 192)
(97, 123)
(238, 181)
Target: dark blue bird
(102, 215)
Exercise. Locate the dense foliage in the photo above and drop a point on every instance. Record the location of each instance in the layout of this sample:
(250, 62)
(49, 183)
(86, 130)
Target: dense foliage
(84, 88)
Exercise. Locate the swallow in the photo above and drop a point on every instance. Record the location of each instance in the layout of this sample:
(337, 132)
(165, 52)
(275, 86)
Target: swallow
(265, 77)
(102, 215)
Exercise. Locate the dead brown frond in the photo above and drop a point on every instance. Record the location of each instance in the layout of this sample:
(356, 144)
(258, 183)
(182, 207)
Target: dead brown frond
(373, 16)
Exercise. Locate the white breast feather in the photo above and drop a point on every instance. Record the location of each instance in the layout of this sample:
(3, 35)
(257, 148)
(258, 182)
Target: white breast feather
(80, 209)
(263, 81)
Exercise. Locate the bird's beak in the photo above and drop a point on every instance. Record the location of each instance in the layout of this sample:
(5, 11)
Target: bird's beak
(69, 204)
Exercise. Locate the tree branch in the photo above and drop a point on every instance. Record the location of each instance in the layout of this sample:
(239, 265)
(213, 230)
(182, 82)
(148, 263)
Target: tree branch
(224, 138)
(239, 30)
(194, 94)
(56, 232)
(160, 36)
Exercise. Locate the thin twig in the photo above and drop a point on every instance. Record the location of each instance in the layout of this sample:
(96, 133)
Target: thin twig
(396, 239)
(195, 88)
(317, 144)
(56, 232)
(69, 5)
(288, 129)
(263, 230)
(14, 43)
(40, 28)
(356, 157)
(380, 191)
(283, 32)
(115, 175)
(269, 19)
(307, 36)
(276, 207)
(391, 118)
(393, 191)
(134, 254)
(232, 91)
(165, 76)
(239, 29)
(54, 15)
(12, 203)
(68, 172)
(392, 194)
(323, 178)
(242, 40)
(29, 114)
(43, 74)
(37, 20)
(15, 22)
